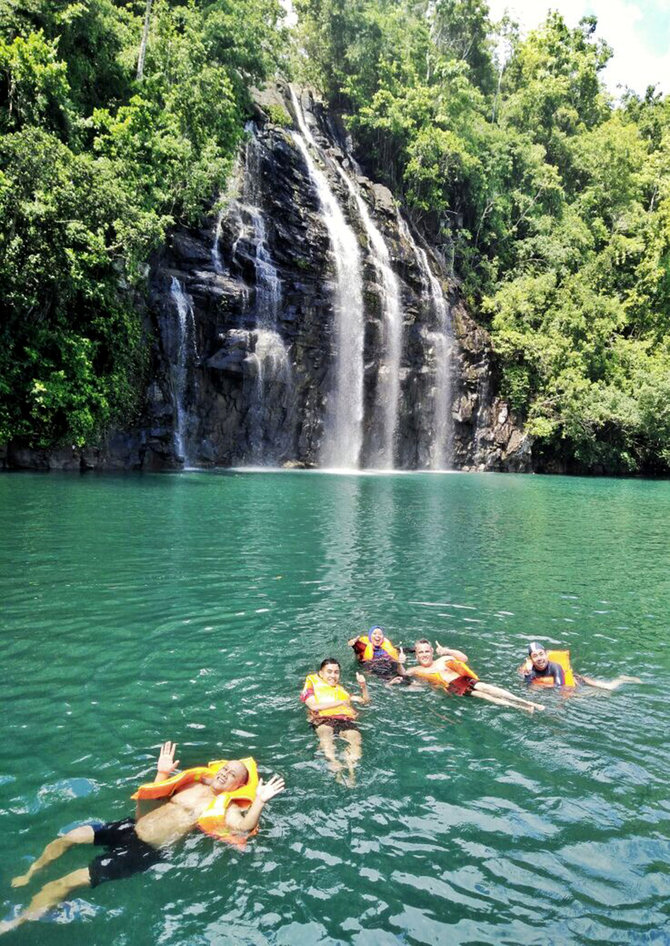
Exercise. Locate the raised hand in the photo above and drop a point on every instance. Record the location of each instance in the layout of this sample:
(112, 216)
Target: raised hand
(166, 760)
(360, 679)
(402, 656)
(268, 790)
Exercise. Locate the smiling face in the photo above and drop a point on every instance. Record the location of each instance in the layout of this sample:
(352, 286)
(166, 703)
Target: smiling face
(539, 658)
(424, 653)
(229, 777)
(377, 636)
(330, 674)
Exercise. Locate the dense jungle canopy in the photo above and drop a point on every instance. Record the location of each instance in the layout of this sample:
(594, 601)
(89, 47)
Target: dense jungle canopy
(550, 200)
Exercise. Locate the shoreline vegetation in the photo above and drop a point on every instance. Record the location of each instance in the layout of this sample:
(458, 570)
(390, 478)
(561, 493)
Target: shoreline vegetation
(550, 201)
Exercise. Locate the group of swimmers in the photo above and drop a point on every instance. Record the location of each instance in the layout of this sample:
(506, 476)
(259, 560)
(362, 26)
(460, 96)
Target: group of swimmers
(331, 712)
(225, 798)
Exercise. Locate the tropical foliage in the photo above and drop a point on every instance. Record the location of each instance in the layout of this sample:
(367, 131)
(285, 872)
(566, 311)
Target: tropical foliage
(95, 165)
(552, 201)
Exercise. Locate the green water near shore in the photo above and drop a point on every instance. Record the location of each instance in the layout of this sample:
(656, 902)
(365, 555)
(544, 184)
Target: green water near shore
(191, 607)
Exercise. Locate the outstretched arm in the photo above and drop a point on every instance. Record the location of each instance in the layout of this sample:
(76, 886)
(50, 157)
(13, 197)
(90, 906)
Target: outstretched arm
(606, 684)
(449, 652)
(245, 821)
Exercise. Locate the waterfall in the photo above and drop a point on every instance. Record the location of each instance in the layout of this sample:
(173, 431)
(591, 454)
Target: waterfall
(270, 359)
(344, 412)
(186, 355)
(217, 262)
(269, 386)
(441, 455)
(388, 385)
(442, 340)
(271, 395)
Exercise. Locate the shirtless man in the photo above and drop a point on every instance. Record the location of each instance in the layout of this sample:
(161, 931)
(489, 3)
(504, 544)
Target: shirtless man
(134, 845)
(450, 670)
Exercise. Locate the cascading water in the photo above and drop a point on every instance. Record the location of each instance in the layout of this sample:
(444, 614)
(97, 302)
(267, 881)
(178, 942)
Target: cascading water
(388, 384)
(217, 262)
(442, 340)
(442, 450)
(343, 436)
(182, 376)
(269, 379)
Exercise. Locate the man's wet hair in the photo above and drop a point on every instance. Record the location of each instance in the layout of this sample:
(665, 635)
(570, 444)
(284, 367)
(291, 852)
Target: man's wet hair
(423, 641)
(329, 660)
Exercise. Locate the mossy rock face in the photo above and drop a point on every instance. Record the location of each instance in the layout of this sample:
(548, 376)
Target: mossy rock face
(272, 222)
(277, 115)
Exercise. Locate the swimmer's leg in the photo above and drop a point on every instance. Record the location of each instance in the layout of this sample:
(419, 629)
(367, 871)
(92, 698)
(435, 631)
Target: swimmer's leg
(50, 894)
(352, 753)
(608, 684)
(486, 691)
(83, 835)
(326, 738)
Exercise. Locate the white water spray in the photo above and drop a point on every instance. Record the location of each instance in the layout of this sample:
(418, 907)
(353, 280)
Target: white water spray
(186, 356)
(344, 414)
(388, 386)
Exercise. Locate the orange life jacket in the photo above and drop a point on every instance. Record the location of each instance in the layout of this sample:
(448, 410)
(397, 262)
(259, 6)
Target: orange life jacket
(436, 677)
(213, 819)
(324, 691)
(561, 657)
(369, 651)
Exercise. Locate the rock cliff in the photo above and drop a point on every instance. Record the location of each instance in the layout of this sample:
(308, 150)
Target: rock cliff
(255, 323)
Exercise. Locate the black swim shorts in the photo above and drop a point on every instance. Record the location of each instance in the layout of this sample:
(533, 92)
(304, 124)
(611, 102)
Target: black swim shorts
(126, 854)
(338, 725)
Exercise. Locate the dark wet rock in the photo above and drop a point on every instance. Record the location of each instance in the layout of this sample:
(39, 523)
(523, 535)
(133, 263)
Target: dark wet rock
(217, 354)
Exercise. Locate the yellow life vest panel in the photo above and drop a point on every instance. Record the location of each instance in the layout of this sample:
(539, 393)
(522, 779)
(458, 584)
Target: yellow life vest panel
(560, 657)
(324, 691)
(369, 651)
(213, 819)
(435, 676)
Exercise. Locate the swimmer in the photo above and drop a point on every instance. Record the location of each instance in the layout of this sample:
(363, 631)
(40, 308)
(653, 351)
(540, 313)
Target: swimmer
(376, 653)
(331, 714)
(135, 844)
(452, 673)
(539, 669)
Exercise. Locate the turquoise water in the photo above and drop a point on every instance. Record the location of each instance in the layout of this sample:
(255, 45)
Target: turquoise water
(191, 607)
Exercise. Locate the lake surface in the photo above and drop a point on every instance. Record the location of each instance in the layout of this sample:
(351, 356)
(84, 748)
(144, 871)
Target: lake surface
(191, 607)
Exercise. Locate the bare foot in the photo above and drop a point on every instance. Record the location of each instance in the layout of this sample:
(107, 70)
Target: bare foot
(22, 880)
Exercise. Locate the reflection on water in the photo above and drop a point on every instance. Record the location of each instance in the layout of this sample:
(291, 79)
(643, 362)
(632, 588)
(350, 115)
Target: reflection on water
(191, 607)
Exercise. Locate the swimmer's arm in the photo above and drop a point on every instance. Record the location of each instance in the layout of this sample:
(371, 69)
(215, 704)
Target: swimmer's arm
(245, 821)
(402, 672)
(165, 767)
(365, 695)
(449, 652)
